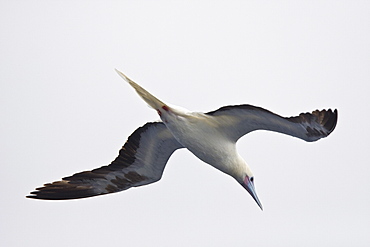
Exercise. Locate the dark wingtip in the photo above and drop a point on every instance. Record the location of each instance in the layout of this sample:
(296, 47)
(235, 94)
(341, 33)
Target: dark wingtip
(335, 119)
(62, 190)
(326, 118)
(330, 119)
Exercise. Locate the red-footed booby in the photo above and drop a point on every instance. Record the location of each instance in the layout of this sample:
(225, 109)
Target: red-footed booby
(209, 136)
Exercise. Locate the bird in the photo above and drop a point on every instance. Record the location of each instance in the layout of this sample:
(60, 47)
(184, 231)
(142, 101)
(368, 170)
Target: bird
(210, 136)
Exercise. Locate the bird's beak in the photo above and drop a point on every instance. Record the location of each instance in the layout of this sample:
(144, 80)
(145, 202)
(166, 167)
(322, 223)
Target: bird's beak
(249, 186)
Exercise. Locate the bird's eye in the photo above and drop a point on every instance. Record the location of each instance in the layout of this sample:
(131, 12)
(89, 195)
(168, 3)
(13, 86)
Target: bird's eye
(251, 179)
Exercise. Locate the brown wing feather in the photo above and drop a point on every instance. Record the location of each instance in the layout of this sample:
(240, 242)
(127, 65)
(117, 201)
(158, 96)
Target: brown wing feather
(238, 120)
(140, 161)
(326, 119)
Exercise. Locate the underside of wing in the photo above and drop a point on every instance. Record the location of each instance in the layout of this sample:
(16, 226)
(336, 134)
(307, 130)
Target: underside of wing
(140, 161)
(239, 120)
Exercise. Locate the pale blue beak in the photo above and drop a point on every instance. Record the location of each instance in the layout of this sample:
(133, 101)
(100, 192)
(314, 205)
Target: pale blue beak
(249, 186)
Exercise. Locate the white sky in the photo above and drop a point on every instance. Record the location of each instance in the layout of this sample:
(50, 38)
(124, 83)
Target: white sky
(63, 110)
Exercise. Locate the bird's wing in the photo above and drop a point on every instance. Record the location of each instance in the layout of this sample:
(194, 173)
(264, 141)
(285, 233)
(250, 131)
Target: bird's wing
(236, 121)
(140, 161)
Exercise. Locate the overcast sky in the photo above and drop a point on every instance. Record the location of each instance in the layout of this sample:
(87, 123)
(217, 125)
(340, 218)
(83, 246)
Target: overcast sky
(64, 109)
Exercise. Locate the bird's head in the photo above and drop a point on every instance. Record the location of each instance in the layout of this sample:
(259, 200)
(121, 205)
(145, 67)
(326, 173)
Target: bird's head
(240, 171)
(245, 177)
(248, 184)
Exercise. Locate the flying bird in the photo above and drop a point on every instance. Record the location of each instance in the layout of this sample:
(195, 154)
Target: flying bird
(210, 136)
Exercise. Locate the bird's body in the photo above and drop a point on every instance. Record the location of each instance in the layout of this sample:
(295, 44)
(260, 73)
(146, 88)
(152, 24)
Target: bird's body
(210, 136)
(199, 134)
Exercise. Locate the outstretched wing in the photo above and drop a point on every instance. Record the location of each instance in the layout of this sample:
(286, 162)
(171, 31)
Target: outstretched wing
(236, 121)
(140, 161)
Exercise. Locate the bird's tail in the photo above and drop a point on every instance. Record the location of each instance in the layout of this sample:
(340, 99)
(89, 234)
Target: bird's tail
(151, 100)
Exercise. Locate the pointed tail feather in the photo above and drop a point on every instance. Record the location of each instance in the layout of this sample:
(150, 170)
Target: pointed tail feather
(151, 100)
